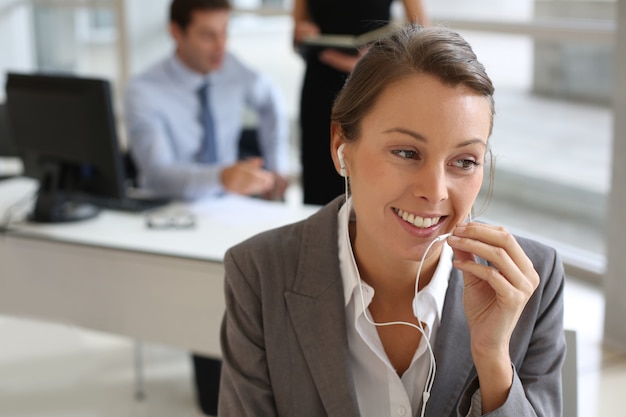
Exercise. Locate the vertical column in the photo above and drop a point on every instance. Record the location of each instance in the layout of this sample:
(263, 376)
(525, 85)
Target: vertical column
(122, 43)
(615, 280)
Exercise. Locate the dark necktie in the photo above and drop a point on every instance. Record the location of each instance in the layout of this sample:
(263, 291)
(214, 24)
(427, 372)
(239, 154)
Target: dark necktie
(208, 148)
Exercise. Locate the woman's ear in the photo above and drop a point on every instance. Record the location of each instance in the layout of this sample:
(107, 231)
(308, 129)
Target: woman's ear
(336, 148)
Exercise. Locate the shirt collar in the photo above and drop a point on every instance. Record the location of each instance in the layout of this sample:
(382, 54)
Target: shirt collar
(187, 77)
(435, 291)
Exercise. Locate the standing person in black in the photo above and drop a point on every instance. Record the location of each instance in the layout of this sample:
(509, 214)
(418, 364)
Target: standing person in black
(324, 76)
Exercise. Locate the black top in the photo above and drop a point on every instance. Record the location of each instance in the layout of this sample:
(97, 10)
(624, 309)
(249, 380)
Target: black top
(320, 181)
(349, 17)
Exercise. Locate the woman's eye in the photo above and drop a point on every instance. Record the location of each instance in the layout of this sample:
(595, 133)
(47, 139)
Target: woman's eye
(466, 163)
(407, 154)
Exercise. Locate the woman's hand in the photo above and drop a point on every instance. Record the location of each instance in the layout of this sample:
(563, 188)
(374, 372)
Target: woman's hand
(493, 299)
(341, 61)
(304, 29)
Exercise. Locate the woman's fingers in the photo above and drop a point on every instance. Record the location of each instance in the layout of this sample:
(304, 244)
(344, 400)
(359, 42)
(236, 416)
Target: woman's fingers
(497, 246)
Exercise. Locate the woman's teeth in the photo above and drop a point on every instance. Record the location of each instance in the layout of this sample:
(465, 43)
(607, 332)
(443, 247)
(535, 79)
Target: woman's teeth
(417, 221)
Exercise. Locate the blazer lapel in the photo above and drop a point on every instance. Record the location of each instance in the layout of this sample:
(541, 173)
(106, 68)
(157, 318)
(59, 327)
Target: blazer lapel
(452, 352)
(316, 308)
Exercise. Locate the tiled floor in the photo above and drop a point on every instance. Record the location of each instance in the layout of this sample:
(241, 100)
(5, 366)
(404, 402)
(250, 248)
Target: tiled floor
(61, 371)
(52, 370)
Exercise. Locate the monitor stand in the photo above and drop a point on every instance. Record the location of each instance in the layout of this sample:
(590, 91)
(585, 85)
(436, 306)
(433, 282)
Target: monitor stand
(54, 202)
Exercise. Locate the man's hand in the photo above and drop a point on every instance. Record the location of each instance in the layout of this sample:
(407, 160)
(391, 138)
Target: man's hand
(277, 193)
(248, 178)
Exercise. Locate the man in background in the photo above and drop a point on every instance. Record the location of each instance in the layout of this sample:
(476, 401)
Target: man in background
(185, 114)
(185, 117)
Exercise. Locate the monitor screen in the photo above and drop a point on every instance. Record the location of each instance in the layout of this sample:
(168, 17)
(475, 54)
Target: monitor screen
(7, 147)
(64, 129)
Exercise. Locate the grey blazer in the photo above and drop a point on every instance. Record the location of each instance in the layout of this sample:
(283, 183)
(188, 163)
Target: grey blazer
(284, 342)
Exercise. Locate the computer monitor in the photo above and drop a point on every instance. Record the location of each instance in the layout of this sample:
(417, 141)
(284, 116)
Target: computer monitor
(64, 129)
(7, 146)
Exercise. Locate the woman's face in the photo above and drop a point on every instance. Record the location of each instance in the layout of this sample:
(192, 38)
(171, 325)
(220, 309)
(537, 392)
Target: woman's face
(417, 167)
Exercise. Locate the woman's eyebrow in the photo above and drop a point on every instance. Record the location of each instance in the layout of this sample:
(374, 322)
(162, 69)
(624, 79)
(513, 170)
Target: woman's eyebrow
(471, 142)
(411, 133)
(421, 138)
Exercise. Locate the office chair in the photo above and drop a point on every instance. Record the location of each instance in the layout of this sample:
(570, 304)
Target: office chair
(249, 143)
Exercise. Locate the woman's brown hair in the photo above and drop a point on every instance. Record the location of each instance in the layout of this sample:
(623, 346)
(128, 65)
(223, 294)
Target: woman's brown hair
(410, 50)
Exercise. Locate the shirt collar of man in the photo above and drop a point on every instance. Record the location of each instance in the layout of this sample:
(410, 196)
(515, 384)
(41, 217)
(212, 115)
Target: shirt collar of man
(188, 78)
(429, 300)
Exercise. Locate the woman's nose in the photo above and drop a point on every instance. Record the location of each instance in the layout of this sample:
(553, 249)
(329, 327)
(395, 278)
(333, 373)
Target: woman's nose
(431, 184)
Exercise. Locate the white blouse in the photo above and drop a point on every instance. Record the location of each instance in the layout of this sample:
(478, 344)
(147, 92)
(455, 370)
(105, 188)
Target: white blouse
(380, 391)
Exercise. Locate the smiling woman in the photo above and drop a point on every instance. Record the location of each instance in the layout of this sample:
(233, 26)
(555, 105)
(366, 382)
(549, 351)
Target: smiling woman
(421, 154)
(388, 300)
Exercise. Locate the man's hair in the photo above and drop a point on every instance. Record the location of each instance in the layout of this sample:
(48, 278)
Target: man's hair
(181, 10)
(410, 50)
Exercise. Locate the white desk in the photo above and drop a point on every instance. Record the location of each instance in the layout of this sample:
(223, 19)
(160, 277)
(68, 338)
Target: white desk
(113, 274)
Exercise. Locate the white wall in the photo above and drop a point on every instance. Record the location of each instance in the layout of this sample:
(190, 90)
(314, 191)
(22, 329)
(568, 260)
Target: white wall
(481, 9)
(148, 38)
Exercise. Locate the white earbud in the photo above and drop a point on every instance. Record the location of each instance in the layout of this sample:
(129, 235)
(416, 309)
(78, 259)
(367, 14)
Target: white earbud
(342, 164)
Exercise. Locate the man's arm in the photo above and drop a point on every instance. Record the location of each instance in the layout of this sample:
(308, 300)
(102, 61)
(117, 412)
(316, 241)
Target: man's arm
(303, 25)
(273, 131)
(416, 12)
(152, 147)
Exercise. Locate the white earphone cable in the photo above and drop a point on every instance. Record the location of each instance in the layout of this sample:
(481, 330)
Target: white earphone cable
(432, 369)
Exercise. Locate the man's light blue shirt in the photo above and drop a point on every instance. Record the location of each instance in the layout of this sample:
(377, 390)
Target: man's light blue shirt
(162, 112)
